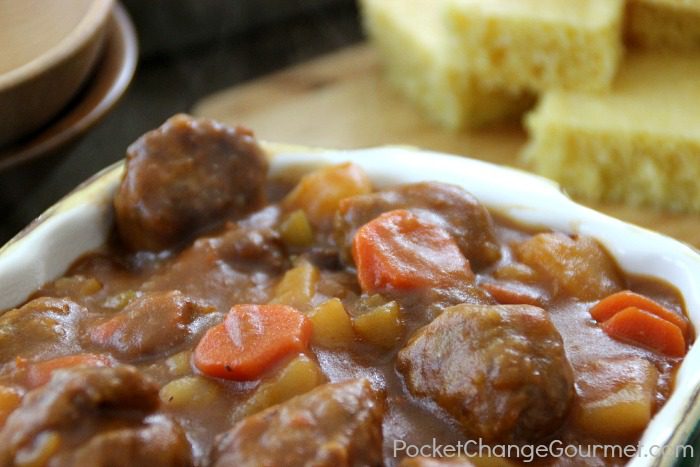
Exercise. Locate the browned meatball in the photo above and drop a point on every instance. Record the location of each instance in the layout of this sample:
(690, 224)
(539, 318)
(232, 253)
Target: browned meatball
(159, 441)
(334, 425)
(500, 370)
(445, 205)
(152, 323)
(81, 409)
(42, 328)
(184, 176)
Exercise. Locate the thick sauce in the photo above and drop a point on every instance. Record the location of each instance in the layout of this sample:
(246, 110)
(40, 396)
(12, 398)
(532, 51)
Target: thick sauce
(248, 261)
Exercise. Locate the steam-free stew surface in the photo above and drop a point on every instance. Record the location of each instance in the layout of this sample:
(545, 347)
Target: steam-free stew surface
(237, 320)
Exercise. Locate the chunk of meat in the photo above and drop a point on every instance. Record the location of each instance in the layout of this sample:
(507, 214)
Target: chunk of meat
(159, 441)
(183, 177)
(237, 265)
(44, 327)
(90, 408)
(333, 425)
(152, 323)
(500, 370)
(578, 267)
(441, 204)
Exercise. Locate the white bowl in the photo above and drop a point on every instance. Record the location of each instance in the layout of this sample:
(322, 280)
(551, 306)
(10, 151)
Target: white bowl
(82, 221)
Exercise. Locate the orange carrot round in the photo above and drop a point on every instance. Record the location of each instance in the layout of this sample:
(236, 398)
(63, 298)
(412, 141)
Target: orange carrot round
(647, 330)
(251, 340)
(400, 251)
(39, 373)
(609, 306)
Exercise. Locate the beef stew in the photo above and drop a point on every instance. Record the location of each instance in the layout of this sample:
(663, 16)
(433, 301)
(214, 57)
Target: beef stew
(324, 324)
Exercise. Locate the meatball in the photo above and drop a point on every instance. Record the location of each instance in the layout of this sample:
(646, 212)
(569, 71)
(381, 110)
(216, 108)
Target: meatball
(445, 205)
(94, 408)
(333, 425)
(159, 441)
(183, 177)
(150, 324)
(500, 370)
(39, 328)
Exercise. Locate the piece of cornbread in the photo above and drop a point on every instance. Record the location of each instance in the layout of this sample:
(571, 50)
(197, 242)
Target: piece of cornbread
(411, 38)
(638, 143)
(663, 23)
(539, 44)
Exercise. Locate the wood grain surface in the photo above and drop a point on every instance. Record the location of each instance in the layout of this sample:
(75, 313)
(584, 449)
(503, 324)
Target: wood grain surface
(341, 101)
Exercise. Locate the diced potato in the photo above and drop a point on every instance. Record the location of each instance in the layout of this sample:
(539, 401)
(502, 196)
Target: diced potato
(370, 302)
(77, 285)
(179, 364)
(299, 376)
(516, 272)
(332, 325)
(578, 267)
(41, 450)
(121, 300)
(190, 392)
(297, 287)
(616, 397)
(320, 192)
(296, 230)
(10, 399)
(380, 326)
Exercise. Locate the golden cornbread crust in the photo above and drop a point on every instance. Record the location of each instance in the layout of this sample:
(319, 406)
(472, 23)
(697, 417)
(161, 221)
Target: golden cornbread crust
(673, 24)
(411, 38)
(539, 44)
(639, 143)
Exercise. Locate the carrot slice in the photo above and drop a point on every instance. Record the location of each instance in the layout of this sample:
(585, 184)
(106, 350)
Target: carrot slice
(610, 305)
(39, 373)
(252, 339)
(647, 330)
(398, 250)
(514, 294)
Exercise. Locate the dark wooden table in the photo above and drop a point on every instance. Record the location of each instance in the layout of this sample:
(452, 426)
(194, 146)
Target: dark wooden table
(171, 80)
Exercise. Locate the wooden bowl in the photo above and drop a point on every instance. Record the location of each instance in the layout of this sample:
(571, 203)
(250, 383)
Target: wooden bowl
(99, 95)
(49, 49)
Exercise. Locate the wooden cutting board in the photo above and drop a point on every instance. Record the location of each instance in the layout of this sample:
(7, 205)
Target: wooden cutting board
(340, 101)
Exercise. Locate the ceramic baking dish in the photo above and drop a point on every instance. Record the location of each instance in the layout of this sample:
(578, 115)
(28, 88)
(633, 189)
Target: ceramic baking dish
(82, 221)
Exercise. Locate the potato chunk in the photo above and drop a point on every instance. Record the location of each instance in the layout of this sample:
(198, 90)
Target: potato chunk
(381, 326)
(296, 230)
(297, 287)
(332, 325)
(578, 267)
(616, 397)
(190, 391)
(319, 192)
(299, 376)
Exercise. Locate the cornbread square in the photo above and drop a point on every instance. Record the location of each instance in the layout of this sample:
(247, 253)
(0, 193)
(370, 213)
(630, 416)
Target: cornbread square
(411, 38)
(638, 143)
(539, 44)
(673, 24)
